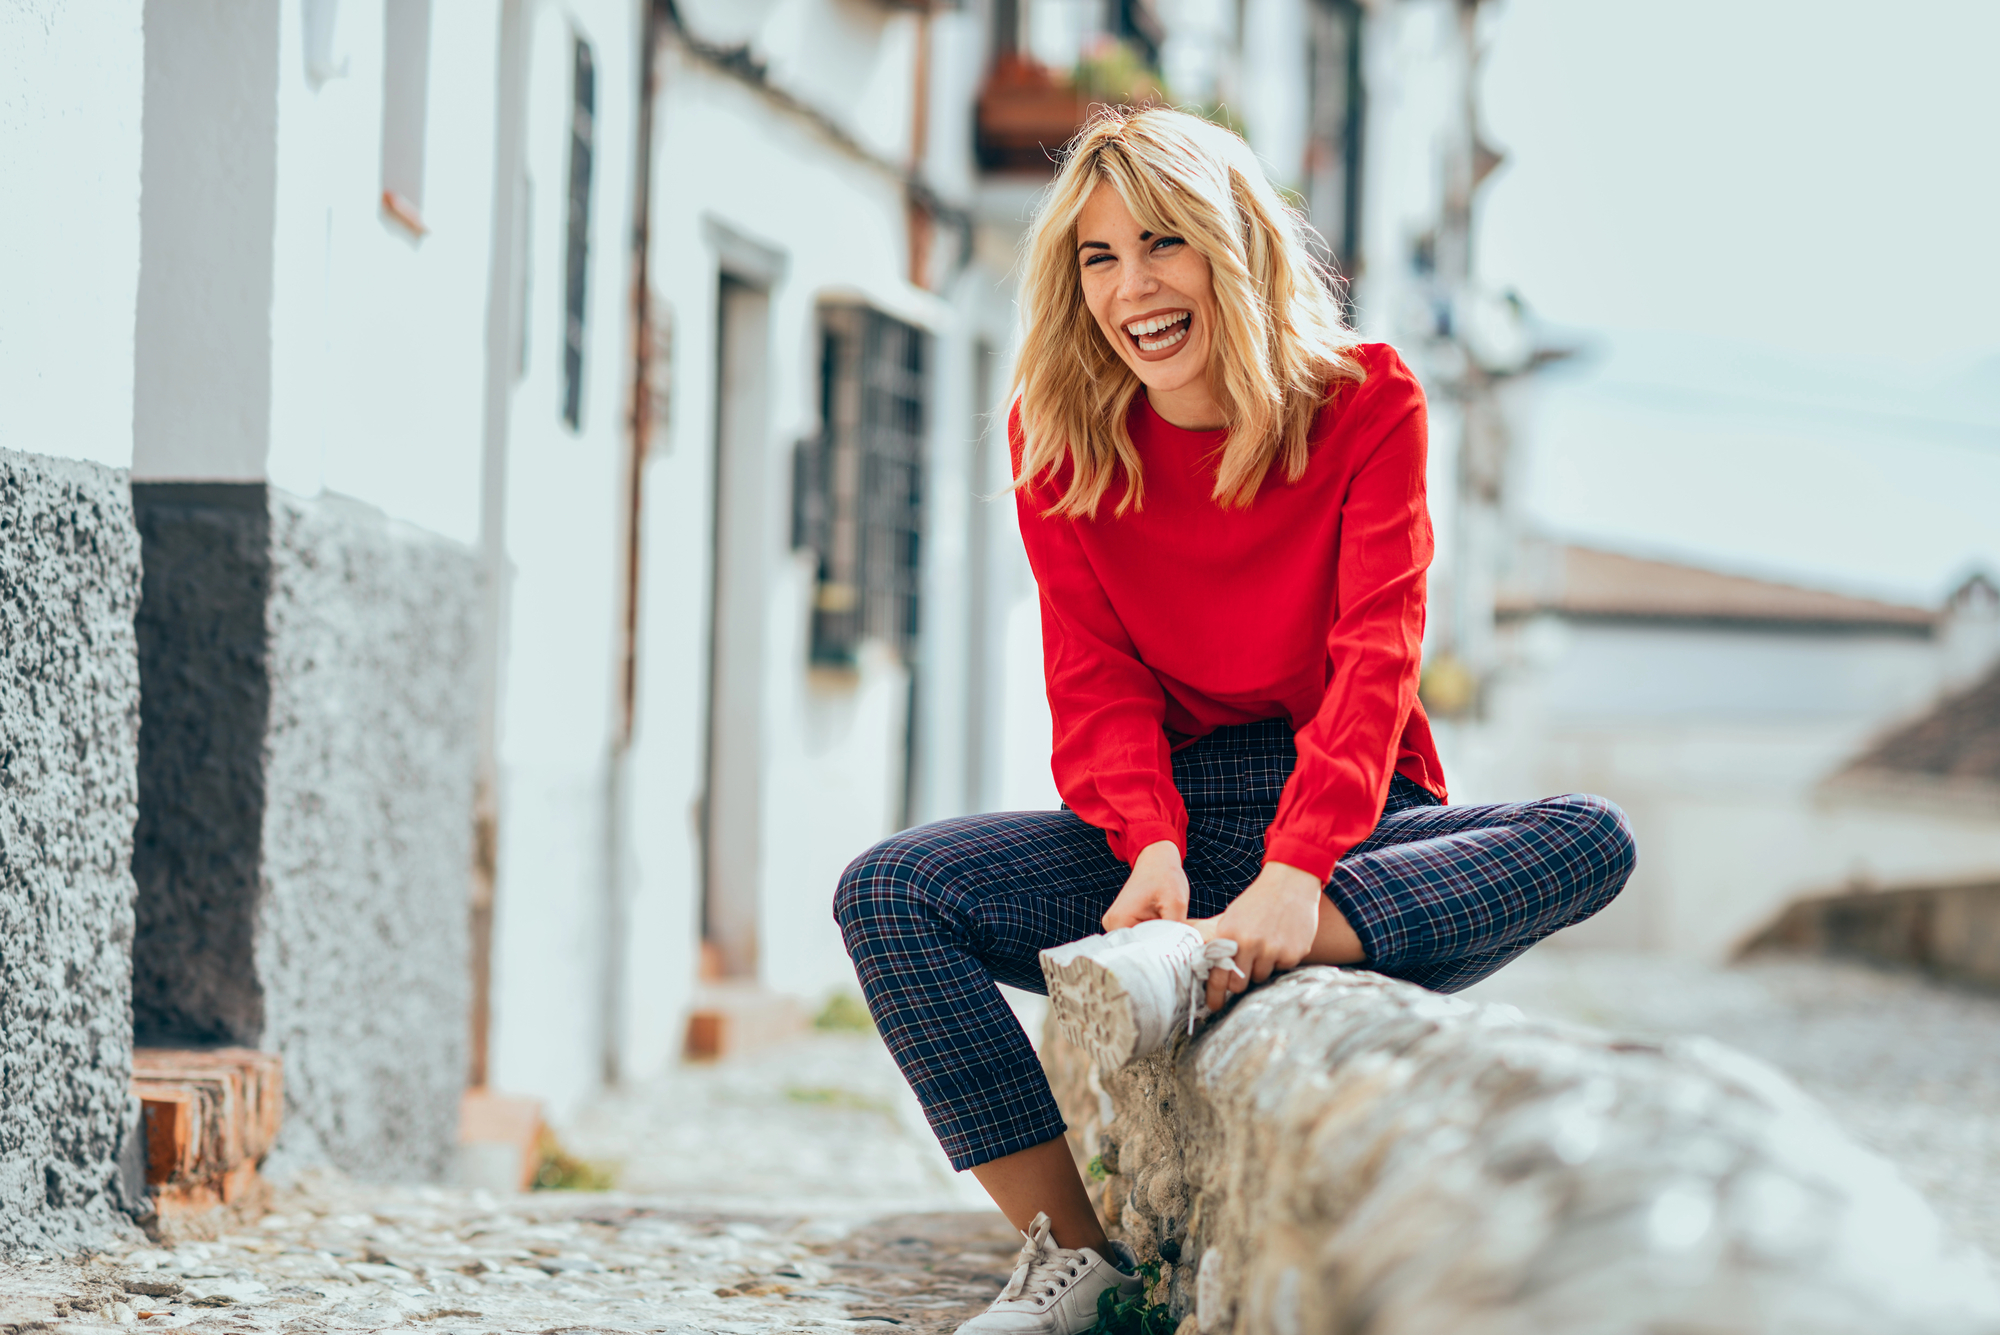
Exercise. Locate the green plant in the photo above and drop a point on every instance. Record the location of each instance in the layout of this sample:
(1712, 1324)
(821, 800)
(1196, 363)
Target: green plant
(1114, 71)
(1098, 1172)
(1137, 1315)
(844, 1012)
(559, 1170)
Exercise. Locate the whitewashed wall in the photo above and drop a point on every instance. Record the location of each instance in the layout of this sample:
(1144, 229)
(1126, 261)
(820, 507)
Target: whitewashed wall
(72, 76)
(1715, 742)
(833, 742)
(564, 498)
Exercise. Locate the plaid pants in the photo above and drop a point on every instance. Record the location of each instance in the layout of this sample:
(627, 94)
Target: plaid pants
(935, 916)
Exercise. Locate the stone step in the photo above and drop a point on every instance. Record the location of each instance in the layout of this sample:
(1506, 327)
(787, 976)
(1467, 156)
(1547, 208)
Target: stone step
(499, 1142)
(210, 1116)
(732, 1018)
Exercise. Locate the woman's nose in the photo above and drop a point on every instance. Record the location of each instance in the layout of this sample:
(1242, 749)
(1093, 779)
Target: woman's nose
(1135, 282)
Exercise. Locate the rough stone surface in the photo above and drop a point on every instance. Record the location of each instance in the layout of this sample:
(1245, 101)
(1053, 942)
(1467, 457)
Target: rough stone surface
(69, 718)
(1907, 1065)
(199, 845)
(1341, 1152)
(306, 849)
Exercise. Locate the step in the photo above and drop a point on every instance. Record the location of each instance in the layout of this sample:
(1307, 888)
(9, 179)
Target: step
(729, 1019)
(210, 1115)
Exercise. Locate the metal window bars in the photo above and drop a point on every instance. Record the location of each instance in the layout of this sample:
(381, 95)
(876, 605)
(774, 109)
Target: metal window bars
(858, 486)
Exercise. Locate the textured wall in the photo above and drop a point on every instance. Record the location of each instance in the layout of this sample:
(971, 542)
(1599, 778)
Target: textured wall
(368, 835)
(199, 843)
(69, 718)
(307, 777)
(1341, 1152)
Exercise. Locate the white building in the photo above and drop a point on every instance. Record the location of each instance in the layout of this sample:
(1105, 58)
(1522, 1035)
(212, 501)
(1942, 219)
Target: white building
(1715, 708)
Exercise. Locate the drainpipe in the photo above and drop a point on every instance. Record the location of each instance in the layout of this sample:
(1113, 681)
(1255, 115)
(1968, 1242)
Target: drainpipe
(618, 878)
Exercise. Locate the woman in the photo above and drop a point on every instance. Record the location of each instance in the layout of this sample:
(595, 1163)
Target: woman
(1221, 490)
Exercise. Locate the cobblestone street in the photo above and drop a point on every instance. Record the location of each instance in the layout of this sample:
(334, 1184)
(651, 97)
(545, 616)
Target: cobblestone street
(798, 1189)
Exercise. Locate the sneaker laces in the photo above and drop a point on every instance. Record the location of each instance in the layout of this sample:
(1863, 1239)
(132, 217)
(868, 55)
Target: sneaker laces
(1041, 1269)
(1217, 954)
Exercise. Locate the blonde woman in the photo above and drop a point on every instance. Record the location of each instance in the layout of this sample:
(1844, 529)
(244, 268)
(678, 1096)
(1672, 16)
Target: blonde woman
(1221, 490)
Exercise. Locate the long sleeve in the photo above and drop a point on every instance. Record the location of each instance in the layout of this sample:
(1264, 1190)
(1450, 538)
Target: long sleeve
(1347, 751)
(1111, 756)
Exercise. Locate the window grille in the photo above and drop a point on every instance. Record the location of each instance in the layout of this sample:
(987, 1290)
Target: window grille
(576, 266)
(858, 486)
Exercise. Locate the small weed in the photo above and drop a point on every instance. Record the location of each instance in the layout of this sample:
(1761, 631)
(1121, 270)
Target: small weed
(1134, 1316)
(559, 1170)
(1098, 1172)
(844, 1013)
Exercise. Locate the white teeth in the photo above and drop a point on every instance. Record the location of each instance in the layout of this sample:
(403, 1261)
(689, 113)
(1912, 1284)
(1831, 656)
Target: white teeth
(1166, 342)
(1140, 328)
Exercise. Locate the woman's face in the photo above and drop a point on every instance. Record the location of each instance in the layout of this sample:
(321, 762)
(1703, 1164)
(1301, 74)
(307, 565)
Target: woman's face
(1154, 298)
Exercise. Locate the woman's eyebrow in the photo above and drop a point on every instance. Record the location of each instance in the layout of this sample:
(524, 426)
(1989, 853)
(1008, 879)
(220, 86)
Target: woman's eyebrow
(1093, 245)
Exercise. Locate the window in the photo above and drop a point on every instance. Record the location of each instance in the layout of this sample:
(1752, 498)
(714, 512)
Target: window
(858, 487)
(576, 260)
(406, 66)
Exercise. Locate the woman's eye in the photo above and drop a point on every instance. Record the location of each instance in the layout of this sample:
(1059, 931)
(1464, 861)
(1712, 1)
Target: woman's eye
(1097, 259)
(1167, 241)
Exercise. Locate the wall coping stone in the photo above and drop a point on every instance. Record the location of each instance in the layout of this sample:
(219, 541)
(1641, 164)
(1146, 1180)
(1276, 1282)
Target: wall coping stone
(1343, 1152)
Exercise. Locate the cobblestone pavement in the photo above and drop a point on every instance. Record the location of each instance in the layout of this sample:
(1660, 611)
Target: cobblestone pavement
(340, 1257)
(1910, 1067)
(792, 1190)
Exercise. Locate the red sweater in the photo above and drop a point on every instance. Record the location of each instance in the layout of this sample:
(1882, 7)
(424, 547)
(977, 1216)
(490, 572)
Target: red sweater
(1182, 617)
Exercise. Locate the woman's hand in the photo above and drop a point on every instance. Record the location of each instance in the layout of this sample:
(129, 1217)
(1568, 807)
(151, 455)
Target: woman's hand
(1273, 923)
(1157, 888)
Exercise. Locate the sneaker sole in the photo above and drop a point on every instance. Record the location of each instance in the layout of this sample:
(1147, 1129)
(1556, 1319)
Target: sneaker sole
(1092, 1009)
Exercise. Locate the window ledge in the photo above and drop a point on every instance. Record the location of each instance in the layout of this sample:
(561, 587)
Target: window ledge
(405, 213)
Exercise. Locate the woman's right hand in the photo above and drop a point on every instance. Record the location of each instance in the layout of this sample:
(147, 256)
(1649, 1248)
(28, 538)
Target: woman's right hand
(1157, 888)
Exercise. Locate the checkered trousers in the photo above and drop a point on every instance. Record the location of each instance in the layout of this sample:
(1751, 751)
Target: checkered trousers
(935, 916)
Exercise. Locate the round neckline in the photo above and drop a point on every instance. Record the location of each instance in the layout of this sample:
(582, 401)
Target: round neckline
(1161, 423)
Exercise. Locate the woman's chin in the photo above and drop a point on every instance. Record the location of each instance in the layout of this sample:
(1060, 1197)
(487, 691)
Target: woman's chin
(1167, 377)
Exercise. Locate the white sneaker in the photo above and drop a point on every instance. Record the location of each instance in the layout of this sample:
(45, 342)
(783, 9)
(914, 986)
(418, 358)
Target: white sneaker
(1124, 994)
(1054, 1290)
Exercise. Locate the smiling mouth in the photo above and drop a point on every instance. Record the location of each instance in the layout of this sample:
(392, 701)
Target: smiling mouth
(1160, 332)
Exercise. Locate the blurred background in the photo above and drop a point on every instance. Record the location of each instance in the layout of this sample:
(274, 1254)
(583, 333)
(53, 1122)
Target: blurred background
(599, 405)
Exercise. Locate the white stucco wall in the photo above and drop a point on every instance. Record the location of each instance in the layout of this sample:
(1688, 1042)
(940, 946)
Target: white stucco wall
(832, 741)
(202, 389)
(564, 502)
(1715, 742)
(72, 77)
(288, 330)
(377, 335)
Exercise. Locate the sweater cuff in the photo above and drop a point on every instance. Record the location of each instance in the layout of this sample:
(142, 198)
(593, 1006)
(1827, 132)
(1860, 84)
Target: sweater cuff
(1138, 838)
(1296, 852)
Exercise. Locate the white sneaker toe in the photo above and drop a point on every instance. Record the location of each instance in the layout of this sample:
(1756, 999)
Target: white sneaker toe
(1124, 994)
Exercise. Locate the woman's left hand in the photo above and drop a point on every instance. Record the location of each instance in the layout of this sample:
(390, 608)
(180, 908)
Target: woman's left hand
(1273, 923)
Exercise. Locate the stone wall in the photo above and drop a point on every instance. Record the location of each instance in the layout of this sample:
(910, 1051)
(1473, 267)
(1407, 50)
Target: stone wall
(306, 795)
(1342, 1152)
(69, 720)
(1952, 931)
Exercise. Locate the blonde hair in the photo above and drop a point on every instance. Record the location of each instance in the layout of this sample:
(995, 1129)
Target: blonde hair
(1279, 345)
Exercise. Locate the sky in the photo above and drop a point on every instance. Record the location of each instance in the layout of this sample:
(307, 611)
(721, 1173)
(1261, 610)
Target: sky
(1774, 227)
